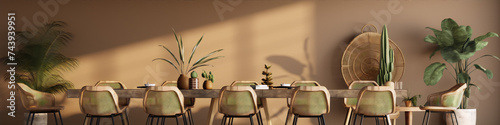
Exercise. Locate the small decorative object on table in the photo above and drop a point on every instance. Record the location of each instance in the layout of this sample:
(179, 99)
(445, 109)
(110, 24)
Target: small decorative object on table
(209, 79)
(193, 81)
(411, 101)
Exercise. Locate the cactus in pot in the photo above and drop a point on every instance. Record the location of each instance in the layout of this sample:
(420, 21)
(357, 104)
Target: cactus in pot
(209, 80)
(386, 59)
(193, 81)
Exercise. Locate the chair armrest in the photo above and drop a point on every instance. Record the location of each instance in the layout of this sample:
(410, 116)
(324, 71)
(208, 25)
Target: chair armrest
(42, 99)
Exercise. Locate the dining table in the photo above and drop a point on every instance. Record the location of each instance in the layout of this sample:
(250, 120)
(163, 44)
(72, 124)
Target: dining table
(214, 95)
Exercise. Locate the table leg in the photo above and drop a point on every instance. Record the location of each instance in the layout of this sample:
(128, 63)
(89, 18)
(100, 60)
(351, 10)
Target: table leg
(213, 110)
(266, 111)
(408, 117)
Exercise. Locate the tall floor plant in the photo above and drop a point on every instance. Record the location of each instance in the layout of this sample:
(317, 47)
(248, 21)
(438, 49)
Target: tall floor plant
(40, 63)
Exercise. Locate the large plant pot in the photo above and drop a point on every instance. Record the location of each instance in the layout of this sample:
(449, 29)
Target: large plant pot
(40, 118)
(183, 82)
(464, 116)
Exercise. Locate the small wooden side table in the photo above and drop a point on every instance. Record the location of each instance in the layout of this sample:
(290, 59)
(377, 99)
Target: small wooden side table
(408, 113)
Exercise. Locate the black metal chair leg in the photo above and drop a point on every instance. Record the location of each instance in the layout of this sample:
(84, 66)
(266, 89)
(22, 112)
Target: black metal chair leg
(362, 117)
(251, 120)
(91, 119)
(112, 120)
(355, 118)
(295, 117)
(388, 120)
(152, 119)
(323, 119)
(176, 120)
(121, 117)
(98, 120)
(191, 121)
(184, 118)
(85, 119)
(60, 117)
(32, 118)
(163, 121)
(261, 120)
(456, 119)
(231, 119)
(287, 113)
(28, 120)
(425, 117)
(55, 117)
(377, 120)
(428, 117)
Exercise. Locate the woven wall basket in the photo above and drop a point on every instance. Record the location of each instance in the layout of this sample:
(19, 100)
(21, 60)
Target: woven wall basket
(360, 60)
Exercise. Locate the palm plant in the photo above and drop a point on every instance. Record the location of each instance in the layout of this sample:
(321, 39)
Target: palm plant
(182, 64)
(40, 63)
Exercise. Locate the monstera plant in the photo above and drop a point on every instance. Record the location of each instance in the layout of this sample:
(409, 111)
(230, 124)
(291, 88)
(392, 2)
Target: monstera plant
(183, 65)
(457, 47)
(40, 63)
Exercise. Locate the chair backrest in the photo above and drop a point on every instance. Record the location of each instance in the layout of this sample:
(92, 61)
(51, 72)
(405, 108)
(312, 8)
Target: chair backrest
(237, 100)
(99, 100)
(244, 83)
(310, 100)
(305, 83)
(449, 98)
(376, 101)
(32, 98)
(163, 100)
(115, 85)
(169, 83)
(351, 102)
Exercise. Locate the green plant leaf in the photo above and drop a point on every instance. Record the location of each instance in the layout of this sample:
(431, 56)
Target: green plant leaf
(450, 55)
(448, 24)
(433, 73)
(467, 92)
(431, 39)
(206, 56)
(164, 47)
(487, 35)
(470, 84)
(194, 49)
(486, 71)
(460, 35)
(463, 77)
(166, 60)
(480, 45)
(434, 52)
(469, 31)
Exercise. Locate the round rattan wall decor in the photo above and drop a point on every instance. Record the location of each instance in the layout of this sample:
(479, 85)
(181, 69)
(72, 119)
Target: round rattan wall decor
(360, 60)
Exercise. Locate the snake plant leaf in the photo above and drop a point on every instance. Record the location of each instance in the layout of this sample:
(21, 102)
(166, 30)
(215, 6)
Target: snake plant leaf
(448, 24)
(194, 49)
(460, 35)
(431, 39)
(171, 54)
(463, 77)
(487, 35)
(166, 60)
(486, 71)
(433, 73)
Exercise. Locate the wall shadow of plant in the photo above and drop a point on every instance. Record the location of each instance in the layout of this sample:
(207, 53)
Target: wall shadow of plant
(294, 66)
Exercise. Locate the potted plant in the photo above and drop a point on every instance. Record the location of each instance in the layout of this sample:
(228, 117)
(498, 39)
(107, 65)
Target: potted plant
(411, 101)
(267, 80)
(183, 65)
(209, 80)
(193, 81)
(40, 63)
(386, 59)
(456, 46)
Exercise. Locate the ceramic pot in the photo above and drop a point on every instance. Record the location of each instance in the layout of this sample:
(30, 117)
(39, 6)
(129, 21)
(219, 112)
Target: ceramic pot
(464, 116)
(207, 84)
(183, 82)
(193, 83)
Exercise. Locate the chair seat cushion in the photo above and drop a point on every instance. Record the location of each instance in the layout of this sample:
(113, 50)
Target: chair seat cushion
(46, 109)
(438, 108)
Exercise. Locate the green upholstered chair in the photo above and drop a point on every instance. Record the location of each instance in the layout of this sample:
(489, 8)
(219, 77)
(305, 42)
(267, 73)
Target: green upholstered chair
(298, 84)
(351, 102)
(238, 101)
(162, 102)
(310, 101)
(259, 100)
(188, 102)
(100, 101)
(376, 101)
(122, 102)
(445, 101)
(38, 102)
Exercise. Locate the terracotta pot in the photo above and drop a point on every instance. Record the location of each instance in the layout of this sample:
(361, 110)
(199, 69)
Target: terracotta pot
(207, 84)
(408, 103)
(193, 83)
(183, 82)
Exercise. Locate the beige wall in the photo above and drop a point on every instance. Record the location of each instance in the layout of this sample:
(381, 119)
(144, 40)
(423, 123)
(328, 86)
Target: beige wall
(302, 39)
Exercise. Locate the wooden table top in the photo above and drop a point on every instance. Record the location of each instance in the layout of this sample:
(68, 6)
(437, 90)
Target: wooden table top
(412, 109)
(214, 93)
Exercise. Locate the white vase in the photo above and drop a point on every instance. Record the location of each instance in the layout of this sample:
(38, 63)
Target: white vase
(464, 116)
(40, 118)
